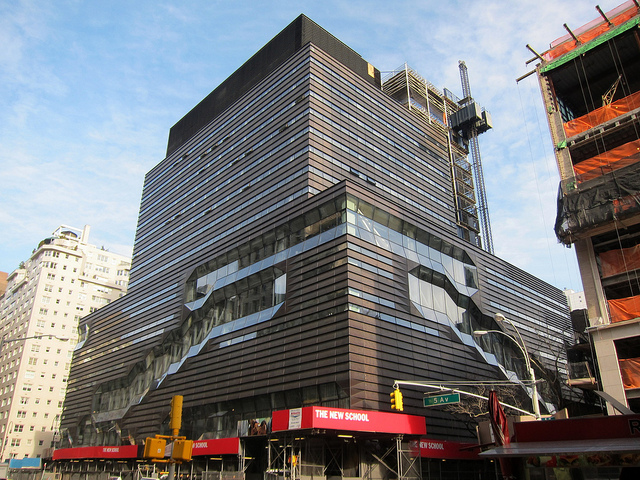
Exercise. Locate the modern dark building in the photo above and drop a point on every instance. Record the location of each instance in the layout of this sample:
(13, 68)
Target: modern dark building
(590, 81)
(309, 241)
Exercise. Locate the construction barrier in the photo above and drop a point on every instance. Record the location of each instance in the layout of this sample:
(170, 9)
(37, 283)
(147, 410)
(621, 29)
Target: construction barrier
(614, 262)
(630, 370)
(622, 309)
(606, 162)
(602, 114)
(591, 30)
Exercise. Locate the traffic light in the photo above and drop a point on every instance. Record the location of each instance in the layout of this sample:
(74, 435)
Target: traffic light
(396, 400)
(182, 450)
(175, 418)
(154, 447)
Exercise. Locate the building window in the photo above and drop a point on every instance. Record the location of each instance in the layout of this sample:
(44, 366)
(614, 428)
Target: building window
(18, 428)
(15, 442)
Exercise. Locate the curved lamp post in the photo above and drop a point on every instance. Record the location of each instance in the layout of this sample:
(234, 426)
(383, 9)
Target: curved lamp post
(3, 341)
(523, 348)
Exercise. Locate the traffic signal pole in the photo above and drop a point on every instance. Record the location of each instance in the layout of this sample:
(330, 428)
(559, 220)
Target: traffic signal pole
(175, 422)
(444, 387)
(181, 448)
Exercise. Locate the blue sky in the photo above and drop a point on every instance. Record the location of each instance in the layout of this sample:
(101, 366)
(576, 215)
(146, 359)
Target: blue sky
(90, 90)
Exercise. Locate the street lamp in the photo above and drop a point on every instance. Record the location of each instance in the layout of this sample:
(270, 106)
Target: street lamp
(4, 341)
(37, 337)
(523, 348)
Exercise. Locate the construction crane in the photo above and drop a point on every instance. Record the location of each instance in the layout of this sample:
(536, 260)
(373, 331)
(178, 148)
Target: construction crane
(476, 162)
(607, 98)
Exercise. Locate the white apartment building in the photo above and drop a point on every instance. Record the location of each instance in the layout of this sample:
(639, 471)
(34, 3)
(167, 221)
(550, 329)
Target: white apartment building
(64, 279)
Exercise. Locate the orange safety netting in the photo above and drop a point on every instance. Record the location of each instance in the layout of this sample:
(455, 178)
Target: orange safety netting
(609, 161)
(630, 370)
(620, 261)
(591, 30)
(622, 309)
(602, 114)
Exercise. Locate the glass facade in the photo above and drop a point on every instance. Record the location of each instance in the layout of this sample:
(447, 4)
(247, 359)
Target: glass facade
(243, 288)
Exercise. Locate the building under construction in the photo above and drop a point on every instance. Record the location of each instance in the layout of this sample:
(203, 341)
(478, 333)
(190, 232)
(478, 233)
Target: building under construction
(460, 121)
(310, 241)
(590, 81)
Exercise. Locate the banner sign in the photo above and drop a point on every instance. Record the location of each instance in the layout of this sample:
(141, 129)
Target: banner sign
(448, 450)
(216, 446)
(123, 451)
(348, 420)
(295, 418)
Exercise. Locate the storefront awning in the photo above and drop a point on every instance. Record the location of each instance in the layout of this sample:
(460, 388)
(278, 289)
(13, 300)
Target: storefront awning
(216, 446)
(340, 419)
(574, 447)
(576, 436)
(116, 452)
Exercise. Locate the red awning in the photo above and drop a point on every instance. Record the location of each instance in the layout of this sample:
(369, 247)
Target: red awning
(216, 446)
(347, 420)
(122, 451)
(430, 448)
(573, 447)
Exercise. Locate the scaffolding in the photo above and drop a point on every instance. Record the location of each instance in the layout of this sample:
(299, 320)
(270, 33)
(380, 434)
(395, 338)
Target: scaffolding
(454, 118)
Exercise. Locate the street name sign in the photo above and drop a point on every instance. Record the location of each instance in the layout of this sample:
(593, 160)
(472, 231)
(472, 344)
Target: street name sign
(434, 400)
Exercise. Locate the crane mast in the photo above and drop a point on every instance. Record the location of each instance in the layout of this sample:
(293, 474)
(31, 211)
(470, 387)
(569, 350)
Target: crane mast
(476, 162)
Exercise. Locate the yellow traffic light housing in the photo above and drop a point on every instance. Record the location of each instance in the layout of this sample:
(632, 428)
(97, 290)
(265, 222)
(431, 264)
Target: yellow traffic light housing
(182, 450)
(154, 447)
(396, 400)
(175, 418)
